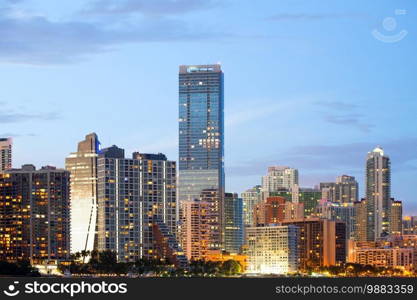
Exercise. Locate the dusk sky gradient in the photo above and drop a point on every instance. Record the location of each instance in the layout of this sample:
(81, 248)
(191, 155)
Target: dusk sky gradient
(306, 82)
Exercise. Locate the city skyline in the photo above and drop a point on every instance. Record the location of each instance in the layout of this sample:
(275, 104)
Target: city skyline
(329, 124)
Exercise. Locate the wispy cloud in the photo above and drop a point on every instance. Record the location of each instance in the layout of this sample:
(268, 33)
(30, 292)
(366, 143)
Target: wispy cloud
(16, 117)
(312, 17)
(344, 114)
(146, 7)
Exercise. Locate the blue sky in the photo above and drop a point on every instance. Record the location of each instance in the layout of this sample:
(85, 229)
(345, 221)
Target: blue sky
(307, 83)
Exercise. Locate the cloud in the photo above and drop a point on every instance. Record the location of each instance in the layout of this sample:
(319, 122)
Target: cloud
(146, 7)
(17, 135)
(35, 39)
(345, 114)
(311, 17)
(16, 117)
(353, 120)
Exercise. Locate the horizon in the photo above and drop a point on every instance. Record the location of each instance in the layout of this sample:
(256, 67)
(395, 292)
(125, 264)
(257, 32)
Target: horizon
(306, 85)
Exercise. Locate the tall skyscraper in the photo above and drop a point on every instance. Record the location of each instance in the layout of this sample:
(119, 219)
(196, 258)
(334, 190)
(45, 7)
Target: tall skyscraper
(5, 154)
(378, 194)
(83, 168)
(344, 190)
(134, 194)
(250, 197)
(233, 223)
(201, 131)
(279, 177)
(34, 214)
(201, 141)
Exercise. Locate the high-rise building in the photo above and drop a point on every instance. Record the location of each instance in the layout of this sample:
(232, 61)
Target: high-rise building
(410, 225)
(272, 211)
(272, 249)
(216, 217)
(321, 242)
(361, 218)
(233, 223)
(279, 177)
(195, 228)
(34, 214)
(344, 190)
(251, 197)
(337, 211)
(83, 168)
(201, 131)
(134, 194)
(5, 154)
(396, 224)
(378, 194)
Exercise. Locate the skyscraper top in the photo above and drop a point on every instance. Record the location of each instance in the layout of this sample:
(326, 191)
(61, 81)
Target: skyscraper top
(185, 69)
(377, 150)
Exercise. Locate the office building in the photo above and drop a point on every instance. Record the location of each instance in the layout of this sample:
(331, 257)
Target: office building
(82, 166)
(34, 215)
(233, 223)
(5, 153)
(279, 177)
(201, 131)
(134, 194)
(272, 249)
(251, 197)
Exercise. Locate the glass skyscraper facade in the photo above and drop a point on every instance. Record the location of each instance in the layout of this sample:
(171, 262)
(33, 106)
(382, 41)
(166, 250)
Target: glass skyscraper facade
(201, 131)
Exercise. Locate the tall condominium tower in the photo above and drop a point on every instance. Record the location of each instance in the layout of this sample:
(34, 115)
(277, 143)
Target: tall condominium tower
(201, 131)
(34, 214)
(134, 195)
(279, 177)
(378, 194)
(83, 168)
(5, 153)
(344, 190)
